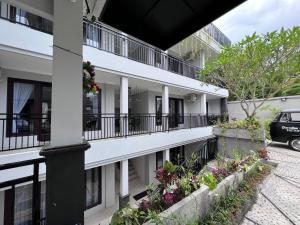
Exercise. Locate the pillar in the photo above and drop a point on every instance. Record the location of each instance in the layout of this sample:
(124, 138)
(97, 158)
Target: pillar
(202, 59)
(165, 108)
(166, 155)
(124, 185)
(124, 106)
(4, 11)
(109, 185)
(203, 109)
(224, 107)
(65, 184)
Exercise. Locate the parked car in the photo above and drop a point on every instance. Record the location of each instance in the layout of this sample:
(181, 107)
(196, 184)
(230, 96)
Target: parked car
(286, 128)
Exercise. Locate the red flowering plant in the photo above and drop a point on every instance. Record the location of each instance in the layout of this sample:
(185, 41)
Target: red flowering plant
(219, 173)
(263, 153)
(166, 174)
(89, 83)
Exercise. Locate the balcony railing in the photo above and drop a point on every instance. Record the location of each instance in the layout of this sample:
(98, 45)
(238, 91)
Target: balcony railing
(100, 36)
(19, 131)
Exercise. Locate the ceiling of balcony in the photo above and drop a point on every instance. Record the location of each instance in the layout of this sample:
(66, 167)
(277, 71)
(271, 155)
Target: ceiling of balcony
(163, 23)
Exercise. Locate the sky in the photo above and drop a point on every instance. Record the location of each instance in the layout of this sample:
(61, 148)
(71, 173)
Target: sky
(260, 16)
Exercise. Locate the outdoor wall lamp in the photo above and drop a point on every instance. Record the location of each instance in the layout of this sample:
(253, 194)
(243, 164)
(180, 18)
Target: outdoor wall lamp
(283, 99)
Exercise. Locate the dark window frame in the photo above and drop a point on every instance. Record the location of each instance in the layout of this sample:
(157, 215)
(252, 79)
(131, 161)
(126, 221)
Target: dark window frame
(37, 109)
(85, 117)
(100, 185)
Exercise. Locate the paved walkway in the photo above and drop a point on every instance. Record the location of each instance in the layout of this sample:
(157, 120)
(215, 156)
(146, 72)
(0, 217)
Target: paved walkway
(278, 202)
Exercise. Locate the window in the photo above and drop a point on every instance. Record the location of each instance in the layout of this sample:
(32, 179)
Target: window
(36, 22)
(158, 110)
(159, 160)
(92, 111)
(93, 187)
(29, 107)
(295, 116)
(177, 155)
(18, 204)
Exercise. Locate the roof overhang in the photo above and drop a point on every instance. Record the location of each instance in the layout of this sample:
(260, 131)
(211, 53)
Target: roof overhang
(163, 23)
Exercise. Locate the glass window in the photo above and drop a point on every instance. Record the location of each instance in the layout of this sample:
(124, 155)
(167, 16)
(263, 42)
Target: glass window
(177, 155)
(158, 110)
(93, 187)
(29, 108)
(92, 109)
(295, 117)
(159, 160)
(23, 102)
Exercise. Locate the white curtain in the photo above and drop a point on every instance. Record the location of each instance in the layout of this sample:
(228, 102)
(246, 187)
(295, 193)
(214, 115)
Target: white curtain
(22, 92)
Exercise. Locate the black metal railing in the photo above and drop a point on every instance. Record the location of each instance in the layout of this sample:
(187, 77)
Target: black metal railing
(34, 209)
(214, 119)
(103, 126)
(19, 131)
(100, 36)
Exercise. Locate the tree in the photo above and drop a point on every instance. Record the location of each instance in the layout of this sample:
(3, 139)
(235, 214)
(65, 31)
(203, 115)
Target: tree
(260, 66)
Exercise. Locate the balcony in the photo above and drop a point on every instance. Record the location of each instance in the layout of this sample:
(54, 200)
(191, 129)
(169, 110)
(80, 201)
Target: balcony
(100, 36)
(21, 131)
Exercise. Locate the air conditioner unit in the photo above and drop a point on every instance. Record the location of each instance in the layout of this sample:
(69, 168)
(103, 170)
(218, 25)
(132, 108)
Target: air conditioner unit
(192, 98)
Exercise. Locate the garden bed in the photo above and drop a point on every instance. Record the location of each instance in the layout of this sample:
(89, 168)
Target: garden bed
(179, 198)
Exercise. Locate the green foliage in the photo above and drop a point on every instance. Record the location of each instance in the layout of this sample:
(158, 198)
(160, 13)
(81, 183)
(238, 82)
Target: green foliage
(209, 180)
(127, 216)
(185, 185)
(266, 122)
(251, 123)
(226, 210)
(260, 66)
(169, 167)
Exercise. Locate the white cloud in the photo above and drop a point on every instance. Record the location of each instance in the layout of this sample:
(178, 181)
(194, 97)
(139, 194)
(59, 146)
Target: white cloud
(259, 16)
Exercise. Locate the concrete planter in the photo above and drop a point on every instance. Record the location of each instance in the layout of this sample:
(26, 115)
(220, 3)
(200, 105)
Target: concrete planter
(195, 205)
(199, 202)
(239, 140)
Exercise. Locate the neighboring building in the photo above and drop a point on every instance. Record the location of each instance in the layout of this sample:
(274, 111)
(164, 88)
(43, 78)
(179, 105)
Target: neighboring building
(150, 109)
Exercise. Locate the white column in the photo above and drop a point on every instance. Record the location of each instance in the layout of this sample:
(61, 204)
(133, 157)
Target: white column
(202, 59)
(165, 99)
(166, 155)
(124, 186)
(4, 11)
(110, 177)
(203, 109)
(124, 105)
(125, 45)
(66, 115)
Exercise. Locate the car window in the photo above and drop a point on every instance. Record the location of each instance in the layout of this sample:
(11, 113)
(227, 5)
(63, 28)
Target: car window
(295, 117)
(284, 117)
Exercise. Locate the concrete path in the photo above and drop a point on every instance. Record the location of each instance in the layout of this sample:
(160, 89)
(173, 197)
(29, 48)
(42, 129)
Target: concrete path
(278, 202)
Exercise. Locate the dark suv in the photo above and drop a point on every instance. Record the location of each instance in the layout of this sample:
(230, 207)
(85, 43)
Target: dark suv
(286, 128)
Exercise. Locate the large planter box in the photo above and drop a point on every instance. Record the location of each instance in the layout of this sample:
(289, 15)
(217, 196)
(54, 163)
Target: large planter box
(239, 140)
(195, 205)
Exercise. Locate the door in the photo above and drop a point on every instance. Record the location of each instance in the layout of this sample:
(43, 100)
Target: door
(45, 109)
(175, 112)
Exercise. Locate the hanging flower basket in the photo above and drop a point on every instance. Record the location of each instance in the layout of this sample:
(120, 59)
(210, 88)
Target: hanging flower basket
(89, 83)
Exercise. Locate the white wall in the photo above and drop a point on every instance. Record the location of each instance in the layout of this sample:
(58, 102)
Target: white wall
(289, 102)
(214, 106)
(140, 166)
(39, 45)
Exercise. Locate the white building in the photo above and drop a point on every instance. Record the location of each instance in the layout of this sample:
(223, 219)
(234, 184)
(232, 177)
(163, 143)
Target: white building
(150, 109)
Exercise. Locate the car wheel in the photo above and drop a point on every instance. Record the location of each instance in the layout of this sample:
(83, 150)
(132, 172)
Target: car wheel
(295, 143)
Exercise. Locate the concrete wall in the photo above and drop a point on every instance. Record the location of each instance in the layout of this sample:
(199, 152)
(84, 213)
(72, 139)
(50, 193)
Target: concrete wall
(288, 102)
